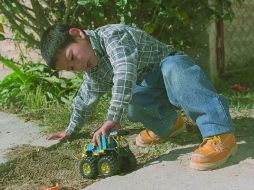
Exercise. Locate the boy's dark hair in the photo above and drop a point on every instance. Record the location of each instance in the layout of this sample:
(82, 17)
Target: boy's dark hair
(53, 40)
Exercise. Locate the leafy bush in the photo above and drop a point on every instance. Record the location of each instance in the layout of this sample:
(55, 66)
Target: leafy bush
(174, 21)
(33, 85)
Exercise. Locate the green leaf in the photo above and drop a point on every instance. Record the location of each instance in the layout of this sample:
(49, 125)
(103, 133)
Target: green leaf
(97, 2)
(149, 27)
(11, 64)
(5, 91)
(65, 100)
(50, 95)
(83, 2)
(52, 79)
(2, 37)
(3, 19)
(1, 28)
(86, 2)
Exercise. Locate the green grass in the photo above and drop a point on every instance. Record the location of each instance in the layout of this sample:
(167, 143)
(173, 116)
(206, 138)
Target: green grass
(243, 77)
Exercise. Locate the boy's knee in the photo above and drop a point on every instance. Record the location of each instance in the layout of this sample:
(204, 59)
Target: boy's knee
(175, 63)
(177, 66)
(171, 67)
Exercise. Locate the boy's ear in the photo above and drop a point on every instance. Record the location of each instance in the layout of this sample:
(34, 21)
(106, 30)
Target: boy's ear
(76, 33)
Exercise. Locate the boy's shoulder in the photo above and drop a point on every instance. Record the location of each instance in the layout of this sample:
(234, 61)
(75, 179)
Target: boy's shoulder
(114, 28)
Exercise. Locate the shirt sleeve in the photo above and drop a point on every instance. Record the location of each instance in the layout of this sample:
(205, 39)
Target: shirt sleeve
(122, 52)
(84, 103)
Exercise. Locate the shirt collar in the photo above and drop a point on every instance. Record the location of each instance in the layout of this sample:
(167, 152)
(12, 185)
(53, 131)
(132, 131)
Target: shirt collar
(95, 42)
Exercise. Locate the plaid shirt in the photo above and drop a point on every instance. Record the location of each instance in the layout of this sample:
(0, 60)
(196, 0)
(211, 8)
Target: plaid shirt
(124, 56)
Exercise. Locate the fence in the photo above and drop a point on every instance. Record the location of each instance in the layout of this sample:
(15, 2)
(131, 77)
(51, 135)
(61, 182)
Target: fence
(239, 36)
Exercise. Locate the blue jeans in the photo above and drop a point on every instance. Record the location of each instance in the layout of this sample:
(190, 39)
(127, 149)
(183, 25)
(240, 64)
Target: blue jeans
(178, 82)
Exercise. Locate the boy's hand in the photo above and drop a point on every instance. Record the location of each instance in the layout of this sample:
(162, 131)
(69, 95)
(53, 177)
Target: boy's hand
(60, 135)
(107, 126)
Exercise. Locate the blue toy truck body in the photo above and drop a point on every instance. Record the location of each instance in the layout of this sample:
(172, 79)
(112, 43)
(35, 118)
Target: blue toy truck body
(108, 158)
(105, 144)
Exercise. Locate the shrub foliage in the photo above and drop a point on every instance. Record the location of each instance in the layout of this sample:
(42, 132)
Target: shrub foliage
(172, 21)
(33, 85)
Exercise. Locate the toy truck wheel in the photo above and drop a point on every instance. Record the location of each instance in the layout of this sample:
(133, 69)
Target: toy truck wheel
(88, 168)
(108, 166)
(128, 160)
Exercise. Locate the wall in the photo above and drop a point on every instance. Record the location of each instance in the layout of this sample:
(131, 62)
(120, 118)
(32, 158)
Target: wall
(239, 36)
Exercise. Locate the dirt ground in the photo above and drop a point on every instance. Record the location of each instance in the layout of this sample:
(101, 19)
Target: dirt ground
(32, 167)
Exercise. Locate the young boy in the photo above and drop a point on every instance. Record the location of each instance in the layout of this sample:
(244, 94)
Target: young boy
(148, 79)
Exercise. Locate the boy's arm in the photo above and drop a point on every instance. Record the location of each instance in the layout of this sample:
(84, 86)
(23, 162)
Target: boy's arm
(122, 51)
(84, 103)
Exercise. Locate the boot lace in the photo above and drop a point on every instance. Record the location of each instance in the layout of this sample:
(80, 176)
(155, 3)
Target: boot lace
(215, 142)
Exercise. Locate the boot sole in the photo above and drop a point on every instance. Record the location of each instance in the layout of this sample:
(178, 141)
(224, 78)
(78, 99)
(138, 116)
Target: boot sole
(214, 165)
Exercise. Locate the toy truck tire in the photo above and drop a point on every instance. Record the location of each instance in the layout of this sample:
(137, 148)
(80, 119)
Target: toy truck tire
(128, 161)
(108, 166)
(88, 167)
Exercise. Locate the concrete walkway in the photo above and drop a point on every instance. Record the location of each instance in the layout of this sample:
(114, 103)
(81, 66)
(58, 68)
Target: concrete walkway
(14, 131)
(172, 172)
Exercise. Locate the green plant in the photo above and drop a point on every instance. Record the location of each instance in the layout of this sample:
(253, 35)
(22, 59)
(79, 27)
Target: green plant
(56, 116)
(35, 101)
(101, 109)
(237, 99)
(172, 21)
(33, 84)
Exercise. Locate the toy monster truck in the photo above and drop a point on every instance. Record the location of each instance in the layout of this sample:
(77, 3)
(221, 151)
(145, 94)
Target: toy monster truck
(110, 157)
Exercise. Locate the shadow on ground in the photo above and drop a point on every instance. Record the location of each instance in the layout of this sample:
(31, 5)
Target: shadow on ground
(245, 139)
(189, 142)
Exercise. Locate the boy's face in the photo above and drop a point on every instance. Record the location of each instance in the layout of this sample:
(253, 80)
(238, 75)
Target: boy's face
(78, 56)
